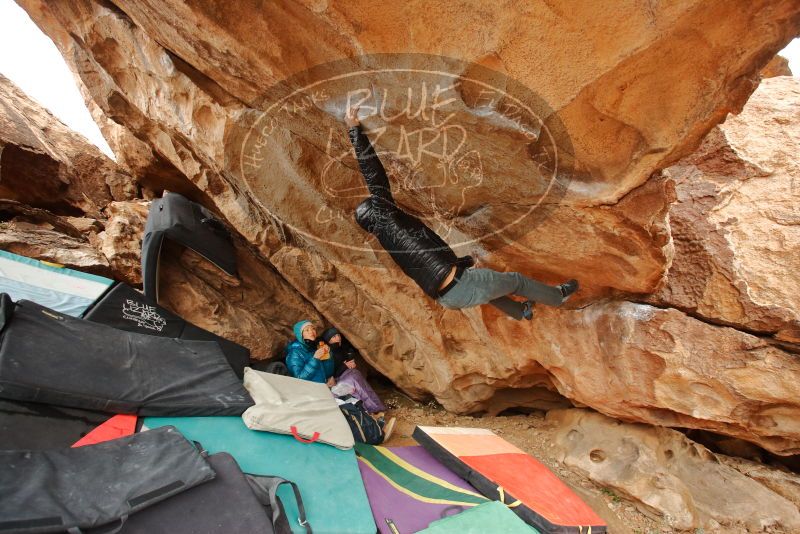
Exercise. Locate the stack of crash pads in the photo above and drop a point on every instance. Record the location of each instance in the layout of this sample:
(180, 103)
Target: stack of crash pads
(151, 482)
(503, 472)
(108, 349)
(28, 425)
(102, 300)
(64, 290)
(52, 358)
(84, 487)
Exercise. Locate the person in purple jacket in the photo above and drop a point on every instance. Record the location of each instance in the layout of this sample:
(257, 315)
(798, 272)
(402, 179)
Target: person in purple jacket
(346, 373)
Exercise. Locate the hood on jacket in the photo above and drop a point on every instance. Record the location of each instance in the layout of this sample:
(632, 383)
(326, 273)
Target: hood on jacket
(298, 330)
(329, 333)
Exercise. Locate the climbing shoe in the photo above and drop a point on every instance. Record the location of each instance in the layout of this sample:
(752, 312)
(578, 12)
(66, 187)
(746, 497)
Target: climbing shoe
(388, 429)
(567, 289)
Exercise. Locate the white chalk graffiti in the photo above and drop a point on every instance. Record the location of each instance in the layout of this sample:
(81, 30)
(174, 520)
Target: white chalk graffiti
(143, 315)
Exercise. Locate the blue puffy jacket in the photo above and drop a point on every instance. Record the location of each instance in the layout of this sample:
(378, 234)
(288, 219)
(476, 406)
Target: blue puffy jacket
(300, 358)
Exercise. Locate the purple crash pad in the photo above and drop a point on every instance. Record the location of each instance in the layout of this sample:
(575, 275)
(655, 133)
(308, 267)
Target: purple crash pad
(408, 488)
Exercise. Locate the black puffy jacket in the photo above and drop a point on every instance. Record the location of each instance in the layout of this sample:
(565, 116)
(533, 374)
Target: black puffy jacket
(418, 250)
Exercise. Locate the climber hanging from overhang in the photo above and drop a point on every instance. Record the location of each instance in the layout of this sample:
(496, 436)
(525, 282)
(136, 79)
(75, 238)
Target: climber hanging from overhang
(425, 257)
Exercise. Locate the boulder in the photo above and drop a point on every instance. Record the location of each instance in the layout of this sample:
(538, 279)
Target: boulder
(39, 234)
(736, 225)
(665, 473)
(780, 480)
(777, 66)
(121, 239)
(561, 127)
(637, 362)
(45, 164)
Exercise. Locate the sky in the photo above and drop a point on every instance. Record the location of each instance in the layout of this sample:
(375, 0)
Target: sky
(31, 60)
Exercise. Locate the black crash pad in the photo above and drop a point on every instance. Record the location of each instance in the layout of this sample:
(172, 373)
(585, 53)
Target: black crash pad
(49, 357)
(126, 309)
(226, 504)
(84, 487)
(175, 217)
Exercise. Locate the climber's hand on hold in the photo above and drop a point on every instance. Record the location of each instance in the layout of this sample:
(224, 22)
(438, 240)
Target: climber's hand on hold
(351, 117)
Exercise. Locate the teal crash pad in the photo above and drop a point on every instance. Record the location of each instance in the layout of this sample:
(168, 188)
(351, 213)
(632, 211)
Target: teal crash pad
(492, 516)
(329, 480)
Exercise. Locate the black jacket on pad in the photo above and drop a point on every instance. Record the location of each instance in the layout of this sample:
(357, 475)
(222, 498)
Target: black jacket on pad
(418, 250)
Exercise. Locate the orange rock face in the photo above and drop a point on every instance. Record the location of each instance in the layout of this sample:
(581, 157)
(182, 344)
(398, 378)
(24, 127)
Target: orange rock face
(537, 148)
(735, 224)
(45, 164)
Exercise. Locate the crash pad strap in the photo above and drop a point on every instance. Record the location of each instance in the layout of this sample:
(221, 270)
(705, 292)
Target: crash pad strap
(265, 489)
(502, 498)
(300, 438)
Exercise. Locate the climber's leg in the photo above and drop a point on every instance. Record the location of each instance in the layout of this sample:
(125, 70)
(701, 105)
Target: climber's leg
(514, 309)
(481, 286)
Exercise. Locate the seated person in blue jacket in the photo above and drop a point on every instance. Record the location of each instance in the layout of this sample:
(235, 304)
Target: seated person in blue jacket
(427, 259)
(308, 359)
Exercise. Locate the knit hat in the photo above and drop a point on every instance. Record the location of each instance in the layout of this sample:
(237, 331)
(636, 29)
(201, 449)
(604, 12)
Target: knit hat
(298, 329)
(329, 333)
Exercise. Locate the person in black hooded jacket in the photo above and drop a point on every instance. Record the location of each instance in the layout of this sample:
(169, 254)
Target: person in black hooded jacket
(347, 375)
(428, 259)
(342, 352)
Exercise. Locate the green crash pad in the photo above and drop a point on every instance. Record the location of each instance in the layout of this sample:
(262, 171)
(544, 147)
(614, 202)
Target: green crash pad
(492, 516)
(329, 480)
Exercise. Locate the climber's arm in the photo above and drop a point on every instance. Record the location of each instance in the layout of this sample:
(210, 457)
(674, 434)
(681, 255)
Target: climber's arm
(368, 161)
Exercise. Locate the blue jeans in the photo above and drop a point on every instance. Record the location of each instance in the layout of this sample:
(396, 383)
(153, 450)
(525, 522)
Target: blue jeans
(485, 286)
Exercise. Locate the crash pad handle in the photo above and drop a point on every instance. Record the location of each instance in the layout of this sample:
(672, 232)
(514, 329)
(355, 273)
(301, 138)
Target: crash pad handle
(301, 439)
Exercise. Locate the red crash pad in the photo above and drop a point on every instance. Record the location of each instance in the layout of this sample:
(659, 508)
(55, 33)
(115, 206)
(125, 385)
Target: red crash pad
(116, 427)
(501, 471)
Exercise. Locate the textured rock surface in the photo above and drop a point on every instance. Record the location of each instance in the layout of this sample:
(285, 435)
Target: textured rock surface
(638, 362)
(121, 239)
(257, 309)
(668, 474)
(777, 66)
(39, 234)
(187, 80)
(45, 164)
(781, 481)
(736, 224)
